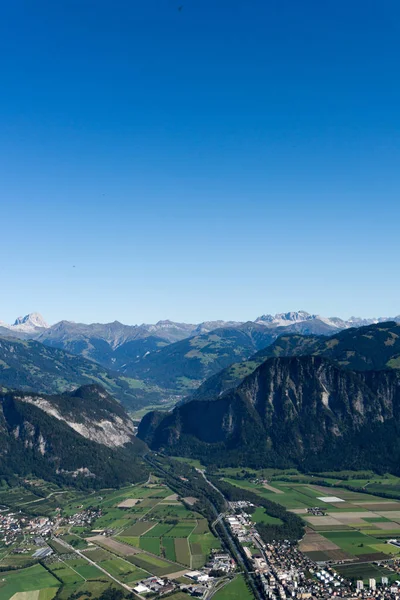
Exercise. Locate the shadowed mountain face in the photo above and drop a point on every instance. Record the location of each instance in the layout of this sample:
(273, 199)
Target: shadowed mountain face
(297, 411)
(83, 438)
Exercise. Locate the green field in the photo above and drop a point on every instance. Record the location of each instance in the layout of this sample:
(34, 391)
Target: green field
(97, 554)
(260, 516)
(138, 529)
(130, 540)
(123, 570)
(173, 511)
(365, 571)
(355, 542)
(25, 580)
(150, 544)
(235, 590)
(47, 593)
(86, 590)
(201, 527)
(169, 548)
(65, 573)
(182, 551)
(159, 530)
(182, 529)
(154, 565)
(206, 541)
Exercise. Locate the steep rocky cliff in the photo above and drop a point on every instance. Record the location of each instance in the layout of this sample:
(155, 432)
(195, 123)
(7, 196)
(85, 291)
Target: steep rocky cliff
(304, 411)
(84, 437)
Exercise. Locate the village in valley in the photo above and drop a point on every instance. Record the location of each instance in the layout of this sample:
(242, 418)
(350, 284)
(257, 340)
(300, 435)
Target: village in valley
(141, 539)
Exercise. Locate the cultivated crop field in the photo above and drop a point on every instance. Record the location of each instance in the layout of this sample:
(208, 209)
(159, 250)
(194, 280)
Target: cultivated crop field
(142, 530)
(170, 531)
(26, 580)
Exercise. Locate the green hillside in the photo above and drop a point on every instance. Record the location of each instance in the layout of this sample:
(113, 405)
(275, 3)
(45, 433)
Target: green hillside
(29, 365)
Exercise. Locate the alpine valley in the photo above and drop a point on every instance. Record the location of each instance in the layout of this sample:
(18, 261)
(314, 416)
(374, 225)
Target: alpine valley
(143, 364)
(290, 390)
(252, 431)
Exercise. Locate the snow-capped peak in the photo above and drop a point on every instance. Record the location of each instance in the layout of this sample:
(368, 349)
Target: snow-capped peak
(284, 319)
(29, 323)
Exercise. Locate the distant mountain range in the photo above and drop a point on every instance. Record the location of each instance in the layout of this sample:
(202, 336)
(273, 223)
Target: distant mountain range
(117, 333)
(314, 403)
(83, 438)
(143, 364)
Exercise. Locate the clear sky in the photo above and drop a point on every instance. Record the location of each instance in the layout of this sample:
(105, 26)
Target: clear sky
(229, 159)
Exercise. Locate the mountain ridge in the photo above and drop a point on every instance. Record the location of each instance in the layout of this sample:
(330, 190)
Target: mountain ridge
(82, 438)
(28, 365)
(374, 346)
(302, 411)
(174, 331)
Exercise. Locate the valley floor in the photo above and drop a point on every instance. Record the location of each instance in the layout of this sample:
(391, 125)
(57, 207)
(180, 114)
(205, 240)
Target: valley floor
(67, 543)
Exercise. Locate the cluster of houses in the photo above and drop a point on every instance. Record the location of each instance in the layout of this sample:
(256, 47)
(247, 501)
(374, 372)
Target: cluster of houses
(285, 572)
(155, 585)
(83, 518)
(221, 562)
(198, 583)
(12, 525)
(241, 521)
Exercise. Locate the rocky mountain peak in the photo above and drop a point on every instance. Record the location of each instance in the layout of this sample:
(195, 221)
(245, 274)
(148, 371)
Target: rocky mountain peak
(30, 322)
(288, 318)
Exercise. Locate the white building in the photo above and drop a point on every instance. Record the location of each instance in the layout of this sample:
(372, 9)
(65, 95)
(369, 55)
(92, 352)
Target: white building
(142, 589)
(372, 584)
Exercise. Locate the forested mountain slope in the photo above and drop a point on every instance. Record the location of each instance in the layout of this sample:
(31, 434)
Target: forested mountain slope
(29, 365)
(83, 438)
(371, 347)
(291, 411)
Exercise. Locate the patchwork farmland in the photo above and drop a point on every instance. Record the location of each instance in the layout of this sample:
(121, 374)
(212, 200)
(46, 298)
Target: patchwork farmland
(140, 531)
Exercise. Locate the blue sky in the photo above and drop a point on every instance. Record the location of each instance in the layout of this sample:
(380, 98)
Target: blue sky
(222, 161)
